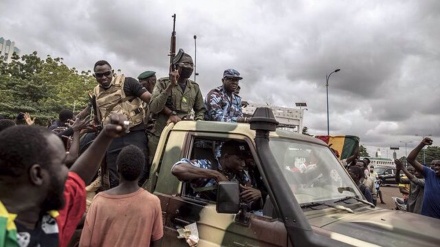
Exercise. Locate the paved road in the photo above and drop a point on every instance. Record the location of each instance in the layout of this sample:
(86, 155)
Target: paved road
(387, 193)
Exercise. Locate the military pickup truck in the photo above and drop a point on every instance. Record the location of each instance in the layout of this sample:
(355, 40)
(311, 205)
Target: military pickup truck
(309, 198)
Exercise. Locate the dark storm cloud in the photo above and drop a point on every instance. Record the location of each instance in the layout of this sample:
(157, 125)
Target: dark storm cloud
(386, 92)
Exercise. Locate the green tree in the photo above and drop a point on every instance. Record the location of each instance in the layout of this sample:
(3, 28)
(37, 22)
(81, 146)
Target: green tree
(41, 87)
(428, 154)
(363, 151)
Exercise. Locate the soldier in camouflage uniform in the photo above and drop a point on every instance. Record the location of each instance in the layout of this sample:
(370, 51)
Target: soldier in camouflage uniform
(173, 100)
(223, 103)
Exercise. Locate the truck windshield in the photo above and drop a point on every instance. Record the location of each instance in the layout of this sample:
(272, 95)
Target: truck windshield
(312, 171)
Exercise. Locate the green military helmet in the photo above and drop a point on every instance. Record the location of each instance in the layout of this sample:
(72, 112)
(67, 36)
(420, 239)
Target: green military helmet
(146, 74)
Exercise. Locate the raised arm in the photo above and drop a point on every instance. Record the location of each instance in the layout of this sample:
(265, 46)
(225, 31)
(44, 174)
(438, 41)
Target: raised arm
(76, 127)
(162, 90)
(186, 172)
(401, 167)
(88, 163)
(413, 154)
(28, 119)
(84, 113)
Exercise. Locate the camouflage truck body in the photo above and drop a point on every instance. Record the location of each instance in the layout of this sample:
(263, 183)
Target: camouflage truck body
(299, 211)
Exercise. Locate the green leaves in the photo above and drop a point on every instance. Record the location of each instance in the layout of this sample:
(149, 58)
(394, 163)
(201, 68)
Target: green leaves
(363, 151)
(42, 87)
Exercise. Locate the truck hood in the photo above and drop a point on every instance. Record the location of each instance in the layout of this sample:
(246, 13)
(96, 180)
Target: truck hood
(376, 227)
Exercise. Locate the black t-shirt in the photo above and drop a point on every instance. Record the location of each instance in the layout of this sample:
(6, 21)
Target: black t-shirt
(133, 88)
(45, 234)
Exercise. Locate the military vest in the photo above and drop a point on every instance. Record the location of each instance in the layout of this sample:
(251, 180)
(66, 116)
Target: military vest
(113, 100)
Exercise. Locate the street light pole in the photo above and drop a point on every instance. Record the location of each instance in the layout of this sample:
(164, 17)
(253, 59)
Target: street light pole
(327, 77)
(195, 58)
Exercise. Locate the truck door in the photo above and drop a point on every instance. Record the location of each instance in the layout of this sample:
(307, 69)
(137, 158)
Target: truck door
(216, 229)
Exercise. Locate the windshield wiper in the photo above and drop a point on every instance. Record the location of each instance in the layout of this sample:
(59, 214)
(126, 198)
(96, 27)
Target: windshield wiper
(357, 199)
(313, 204)
(310, 204)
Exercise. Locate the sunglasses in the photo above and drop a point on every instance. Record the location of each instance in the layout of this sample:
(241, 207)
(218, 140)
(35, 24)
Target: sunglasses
(99, 75)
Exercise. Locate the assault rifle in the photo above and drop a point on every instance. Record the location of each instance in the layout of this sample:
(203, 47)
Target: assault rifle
(173, 44)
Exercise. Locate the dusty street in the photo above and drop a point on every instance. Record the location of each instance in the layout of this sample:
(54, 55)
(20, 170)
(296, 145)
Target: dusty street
(387, 193)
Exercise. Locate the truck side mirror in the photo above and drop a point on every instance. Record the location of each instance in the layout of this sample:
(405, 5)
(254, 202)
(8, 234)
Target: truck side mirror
(228, 197)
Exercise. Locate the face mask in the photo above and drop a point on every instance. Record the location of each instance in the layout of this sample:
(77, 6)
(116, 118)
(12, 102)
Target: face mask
(371, 171)
(185, 73)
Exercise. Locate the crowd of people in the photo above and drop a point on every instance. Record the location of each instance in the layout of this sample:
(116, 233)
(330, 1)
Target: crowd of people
(115, 146)
(419, 186)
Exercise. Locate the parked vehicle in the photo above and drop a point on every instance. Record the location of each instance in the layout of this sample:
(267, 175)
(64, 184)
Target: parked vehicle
(386, 174)
(311, 200)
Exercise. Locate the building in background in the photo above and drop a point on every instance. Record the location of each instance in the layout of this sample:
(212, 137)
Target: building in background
(7, 48)
(289, 118)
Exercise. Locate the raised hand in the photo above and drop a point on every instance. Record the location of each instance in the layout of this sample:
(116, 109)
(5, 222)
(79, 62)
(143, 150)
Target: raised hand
(427, 141)
(399, 165)
(116, 127)
(28, 119)
(79, 124)
(174, 76)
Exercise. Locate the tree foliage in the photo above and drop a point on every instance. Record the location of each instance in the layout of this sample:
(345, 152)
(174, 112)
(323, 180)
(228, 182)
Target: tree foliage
(363, 151)
(428, 154)
(41, 87)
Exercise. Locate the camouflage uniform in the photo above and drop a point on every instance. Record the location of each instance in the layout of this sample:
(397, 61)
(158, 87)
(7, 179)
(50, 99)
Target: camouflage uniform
(182, 102)
(221, 107)
(206, 187)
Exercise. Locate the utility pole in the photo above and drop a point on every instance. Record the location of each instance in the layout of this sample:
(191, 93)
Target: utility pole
(327, 77)
(406, 152)
(195, 58)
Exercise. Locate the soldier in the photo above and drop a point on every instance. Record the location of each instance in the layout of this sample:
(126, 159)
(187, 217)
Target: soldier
(223, 103)
(148, 79)
(204, 175)
(123, 95)
(174, 97)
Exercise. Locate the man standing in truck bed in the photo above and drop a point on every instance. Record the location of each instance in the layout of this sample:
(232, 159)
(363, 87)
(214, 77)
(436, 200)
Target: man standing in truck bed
(121, 95)
(174, 97)
(223, 103)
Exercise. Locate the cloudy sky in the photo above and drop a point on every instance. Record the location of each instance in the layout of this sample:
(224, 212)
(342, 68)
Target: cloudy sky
(388, 52)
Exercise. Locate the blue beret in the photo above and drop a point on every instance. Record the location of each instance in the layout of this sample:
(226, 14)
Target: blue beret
(146, 74)
(232, 73)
